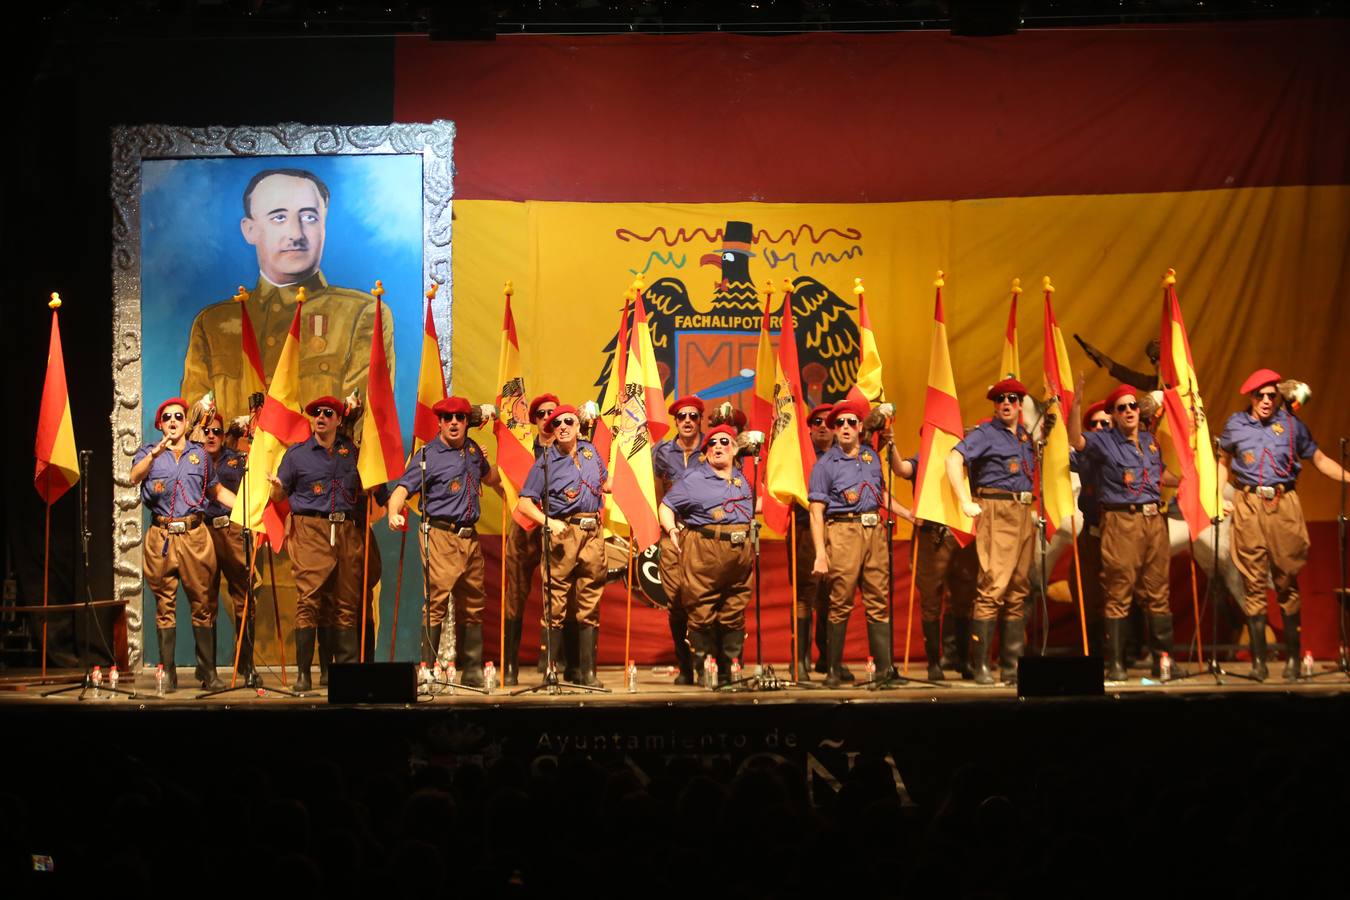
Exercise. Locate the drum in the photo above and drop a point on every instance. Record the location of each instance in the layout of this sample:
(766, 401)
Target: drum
(647, 571)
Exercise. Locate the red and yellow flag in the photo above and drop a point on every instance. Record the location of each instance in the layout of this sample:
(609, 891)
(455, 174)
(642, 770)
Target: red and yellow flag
(1010, 364)
(761, 404)
(280, 423)
(791, 454)
(1056, 483)
(251, 373)
(58, 467)
(641, 422)
(430, 380)
(1187, 426)
(381, 458)
(512, 426)
(934, 498)
(611, 398)
(868, 387)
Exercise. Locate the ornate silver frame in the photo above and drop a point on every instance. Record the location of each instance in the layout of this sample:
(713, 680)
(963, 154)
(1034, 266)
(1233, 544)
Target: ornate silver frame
(433, 141)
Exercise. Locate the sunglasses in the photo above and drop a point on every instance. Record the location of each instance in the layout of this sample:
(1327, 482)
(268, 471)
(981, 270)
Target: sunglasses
(689, 416)
(544, 413)
(324, 412)
(215, 431)
(1098, 424)
(1122, 407)
(453, 417)
(818, 420)
(175, 416)
(719, 442)
(1007, 398)
(847, 421)
(1265, 395)
(564, 421)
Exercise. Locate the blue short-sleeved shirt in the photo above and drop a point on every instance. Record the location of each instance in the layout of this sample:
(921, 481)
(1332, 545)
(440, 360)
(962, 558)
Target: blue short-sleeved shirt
(804, 515)
(702, 497)
(847, 484)
(229, 470)
(671, 463)
(454, 480)
(998, 458)
(1088, 504)
(321, 480)
(1267, 453)
(1126, 473)
(175, 488)
(574, 482)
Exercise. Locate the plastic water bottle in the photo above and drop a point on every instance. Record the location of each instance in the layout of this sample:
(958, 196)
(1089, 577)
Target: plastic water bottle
(1165, 667)
(1308, 668)
(710, 672)
(630, 676)
(424, 679)
(97, 679)
(112, 679)
(489, 675)
(735, 668)
(159, 680)
(871, 669)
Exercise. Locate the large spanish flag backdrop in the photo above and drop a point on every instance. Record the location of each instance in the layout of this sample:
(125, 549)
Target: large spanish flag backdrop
(1103, 156)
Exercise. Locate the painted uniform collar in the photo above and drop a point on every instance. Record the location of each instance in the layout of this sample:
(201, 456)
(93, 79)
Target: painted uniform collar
(287, 292)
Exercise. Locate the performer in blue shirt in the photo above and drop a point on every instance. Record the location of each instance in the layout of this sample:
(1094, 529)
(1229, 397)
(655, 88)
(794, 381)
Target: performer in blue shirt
(522, 555)
(672, 459)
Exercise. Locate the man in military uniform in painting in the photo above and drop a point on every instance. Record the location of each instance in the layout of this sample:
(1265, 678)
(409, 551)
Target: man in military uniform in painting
(285, 216)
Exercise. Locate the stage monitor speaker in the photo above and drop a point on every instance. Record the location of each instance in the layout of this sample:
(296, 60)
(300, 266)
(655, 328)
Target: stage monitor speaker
(1060, 676)
(387, 682)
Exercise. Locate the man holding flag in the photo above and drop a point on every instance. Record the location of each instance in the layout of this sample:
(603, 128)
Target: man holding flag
(523, 545)
(672, 459)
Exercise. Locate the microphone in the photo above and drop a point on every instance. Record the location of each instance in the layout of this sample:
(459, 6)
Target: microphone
(480, 413)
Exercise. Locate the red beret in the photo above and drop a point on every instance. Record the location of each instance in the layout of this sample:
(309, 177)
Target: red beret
(857, 407)
(695, 402)
(332, 403)
(172, 401)
(1259, 379)
(720, 429)
(547, 424)
(539, 401)
(1006, 386)
(1099, 406)
(738, 419)
(821, 410)
(452, 405)
(1121, 391)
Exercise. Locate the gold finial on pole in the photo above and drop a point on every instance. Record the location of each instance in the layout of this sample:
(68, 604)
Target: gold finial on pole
(378, 289)
(1170, 278)
(55, 301)
(1046, 285)
(509, 288)
(431, 291)
(1017, 286)
(240, 294)
(857, 285)
(301, 296)
(941, 279)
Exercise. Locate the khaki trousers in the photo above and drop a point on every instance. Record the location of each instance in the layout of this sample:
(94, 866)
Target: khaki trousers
(232, 566)
(522, 561)
(857, 561)
(813, 592)
(576, 559)
(1135, 562)
(328, 576)
(1090, 570)
(945, 562)
(455, 568)
(717, 577)
(1270, 540)
(1003, 543)
(188, 558)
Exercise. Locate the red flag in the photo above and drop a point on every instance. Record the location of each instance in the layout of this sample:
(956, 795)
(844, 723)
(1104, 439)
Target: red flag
(381, 458)
(58, 466)
(791, 453)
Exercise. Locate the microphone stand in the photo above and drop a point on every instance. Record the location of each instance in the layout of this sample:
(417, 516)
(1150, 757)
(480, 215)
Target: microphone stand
(1342, 593)
(91, 616)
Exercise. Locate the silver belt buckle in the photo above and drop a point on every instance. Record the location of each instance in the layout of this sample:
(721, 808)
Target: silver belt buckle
(337, 517)
(588, 524)
(465, 532)
(869, 520)
(1265, 492)
(1149, 509)
(738, 537)
(1023, 497)
(177, 527)
(220, 522)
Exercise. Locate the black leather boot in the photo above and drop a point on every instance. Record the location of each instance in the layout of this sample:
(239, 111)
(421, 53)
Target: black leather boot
(304, 657)
(1115, 649)
(1256, 626)
(431, 644)
(510, 659)
(879, 646)
(1011, 645)
(961, 625)
(822, 638)
(981, 637)
(246, 668)
(587, 641)
(836, 633)
(571, 631)
(552, 654)
(701, 646)
(1293, 646)
(346, 645)
(205, 637)
(470, 655)
(679, 626)
(168, 642)
(803, 648)
(932, 648)
(733, 647)
(542, 662)
(1160, 633)
(326, 651)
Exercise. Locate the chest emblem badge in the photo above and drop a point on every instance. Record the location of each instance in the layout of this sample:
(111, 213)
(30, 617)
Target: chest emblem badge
(159, 487)
(317, 489)
(1277, 428)
(234, 463)
(1249, 457)
(455, 486)
(587, 453)
(344, 451)
(1014, 466)
(1128, 476)
(571, 493)
(851, 496)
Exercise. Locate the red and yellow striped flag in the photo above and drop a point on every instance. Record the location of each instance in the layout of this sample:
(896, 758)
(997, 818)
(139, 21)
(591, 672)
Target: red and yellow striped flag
(934, 498)
(1056, 483)
(1187, 426)
(791, 454)
(430, 380)
(58, 466)
(761, 403)
(611, 402)
(1010, 364)
(512, 425)
(641, 422)
(251, 373)
(381, 458)
(280, 423)
(868, 387)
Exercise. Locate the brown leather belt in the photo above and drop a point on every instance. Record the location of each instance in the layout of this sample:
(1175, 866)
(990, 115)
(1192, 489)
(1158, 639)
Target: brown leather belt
(1147, 509)
(460, 529)
(1267, 491)
(340, 516)
(715, 532)
(179, 525)
(1026, 498)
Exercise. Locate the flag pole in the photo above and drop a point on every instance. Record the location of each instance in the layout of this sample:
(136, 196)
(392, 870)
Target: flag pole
(628, 610)
(239, 625)
(1078, 579)
(913, 572)
(365, 571)
(792, 599)
(398, 591)
(1195, 601)
(502, 636)
(46, 566)
(276, 610)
